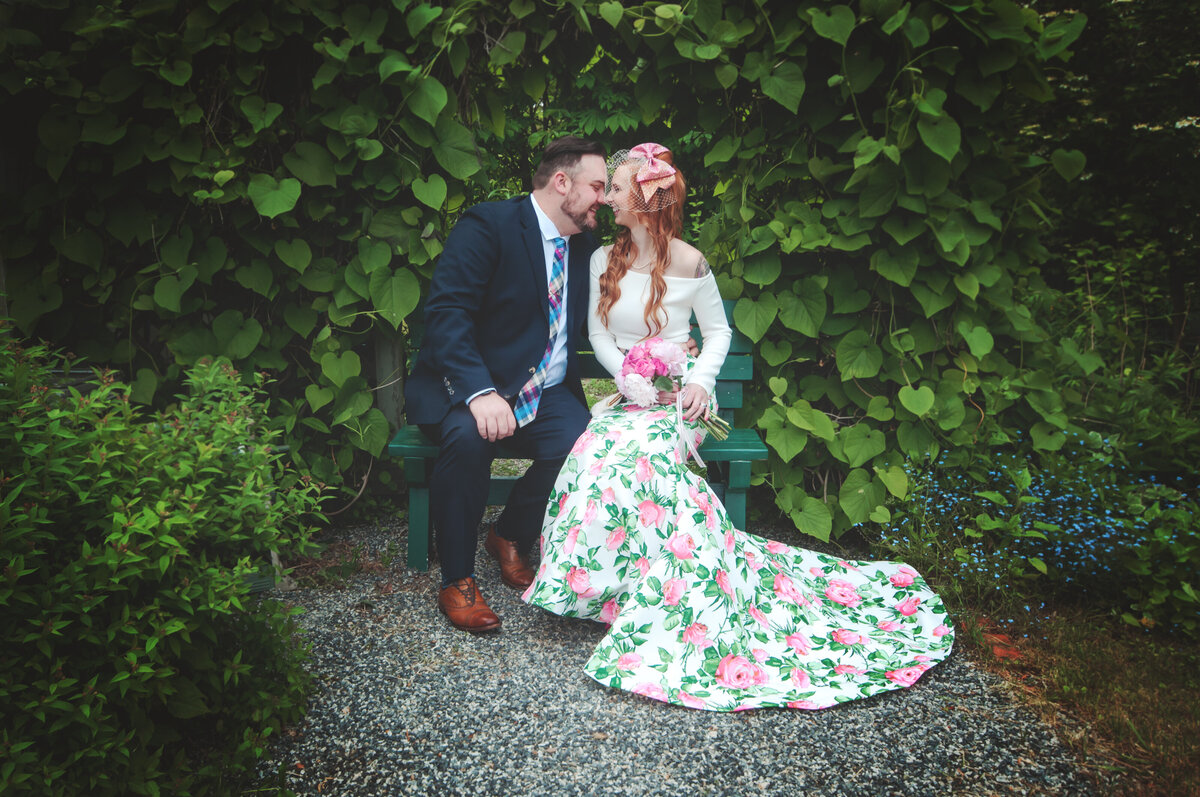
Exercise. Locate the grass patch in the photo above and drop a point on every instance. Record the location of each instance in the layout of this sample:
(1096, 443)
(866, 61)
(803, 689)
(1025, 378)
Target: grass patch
(1114, 694)
(1038, 571)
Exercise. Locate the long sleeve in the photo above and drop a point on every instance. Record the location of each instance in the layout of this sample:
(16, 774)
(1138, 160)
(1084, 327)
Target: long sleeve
(604, 342)
(714, 327)
(459, 284)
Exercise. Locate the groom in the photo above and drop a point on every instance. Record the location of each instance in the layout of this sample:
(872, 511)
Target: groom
(504, 318)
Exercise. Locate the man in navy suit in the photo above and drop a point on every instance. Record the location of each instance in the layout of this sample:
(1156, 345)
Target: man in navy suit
(504, 317)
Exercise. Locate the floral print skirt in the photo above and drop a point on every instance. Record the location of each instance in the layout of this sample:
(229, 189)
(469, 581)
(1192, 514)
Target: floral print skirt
(707, 616)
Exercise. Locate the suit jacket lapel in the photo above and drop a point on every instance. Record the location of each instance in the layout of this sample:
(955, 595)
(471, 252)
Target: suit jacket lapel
(532, 235)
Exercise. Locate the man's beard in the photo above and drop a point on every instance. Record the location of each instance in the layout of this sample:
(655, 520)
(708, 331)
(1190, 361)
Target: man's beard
(579, 217)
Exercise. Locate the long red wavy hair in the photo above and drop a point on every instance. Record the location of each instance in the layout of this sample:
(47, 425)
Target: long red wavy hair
(663, 225)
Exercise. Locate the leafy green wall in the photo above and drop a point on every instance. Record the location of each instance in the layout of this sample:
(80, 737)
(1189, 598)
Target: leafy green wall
(272, 182)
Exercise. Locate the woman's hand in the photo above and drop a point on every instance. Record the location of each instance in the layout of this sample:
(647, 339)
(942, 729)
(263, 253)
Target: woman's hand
(695, 402)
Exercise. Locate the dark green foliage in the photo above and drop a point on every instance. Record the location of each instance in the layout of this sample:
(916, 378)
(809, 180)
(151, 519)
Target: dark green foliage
(132, 657)
(272, 182)
(1125, 247)
(1080, 523)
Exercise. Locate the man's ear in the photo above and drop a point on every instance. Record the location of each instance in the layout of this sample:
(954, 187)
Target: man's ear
(559, 181)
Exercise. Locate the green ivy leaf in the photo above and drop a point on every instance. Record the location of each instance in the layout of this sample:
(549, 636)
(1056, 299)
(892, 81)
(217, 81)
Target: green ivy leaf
(508, 49)
(428, 98)
(775, 352)
(727, 74)
(312, 163)
(431, 192)
(785, 85)
(338, 368)
(867, 150)
(420, 17)
(391, 63)
(903, 227)
(763, 268)
(837, 24)
(967, 283)
(256, 277)
(178, 72)
(859, 495)
(941, 134)
(273, 197)
(350, 404)
(860, 444)
(389, 223)
(858, 357)
(918, 401)
(373, 255)
(894, 479)
(144, 386)
(899, 267)
(978, 339)
(395, 295)
(880, 409)
(1089, 361)
(813, 518)
(317, 396)
(167, 293)
(369, 432)
(1068, 163)
(295, 253)
(894, 22)
(300, 319)
(787, 441)
(612, 12)
(237, 336)
(807, 417)
(454, 149)
(1047, 437)
(753, 317)
(723, 150)
(805, 312)
(262, 114)
(932, 302)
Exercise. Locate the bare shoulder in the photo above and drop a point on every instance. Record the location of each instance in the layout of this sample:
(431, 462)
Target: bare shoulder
(687, 260)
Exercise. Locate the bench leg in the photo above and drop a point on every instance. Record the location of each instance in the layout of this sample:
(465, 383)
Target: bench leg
(735, 493)
(420, 524)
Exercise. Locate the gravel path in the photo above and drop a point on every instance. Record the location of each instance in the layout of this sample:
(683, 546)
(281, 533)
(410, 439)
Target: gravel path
(405, 704)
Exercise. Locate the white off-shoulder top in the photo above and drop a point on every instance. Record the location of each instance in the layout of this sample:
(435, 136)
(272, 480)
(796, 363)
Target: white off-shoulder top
(627, 326)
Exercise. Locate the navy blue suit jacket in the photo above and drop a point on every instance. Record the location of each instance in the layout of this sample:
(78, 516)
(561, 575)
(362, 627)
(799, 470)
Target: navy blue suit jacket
(487, 313)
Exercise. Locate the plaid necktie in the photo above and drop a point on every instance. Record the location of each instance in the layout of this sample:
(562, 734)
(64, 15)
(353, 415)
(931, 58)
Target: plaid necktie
(531, 394)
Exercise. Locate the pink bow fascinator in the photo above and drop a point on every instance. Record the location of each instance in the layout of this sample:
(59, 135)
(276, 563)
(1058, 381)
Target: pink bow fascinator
(655, 173)
(650, 172)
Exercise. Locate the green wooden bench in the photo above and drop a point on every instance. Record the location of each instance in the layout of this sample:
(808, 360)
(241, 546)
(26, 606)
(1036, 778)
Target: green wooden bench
(728, 460)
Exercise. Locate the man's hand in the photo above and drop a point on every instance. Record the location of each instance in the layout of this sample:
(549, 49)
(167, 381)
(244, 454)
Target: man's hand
(493, 417)
(693, 349)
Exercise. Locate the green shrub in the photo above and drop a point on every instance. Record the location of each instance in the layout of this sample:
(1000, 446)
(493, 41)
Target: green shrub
(132, 657)
(1080, 521)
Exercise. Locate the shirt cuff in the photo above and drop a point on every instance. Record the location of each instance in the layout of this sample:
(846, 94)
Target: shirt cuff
(474, 396)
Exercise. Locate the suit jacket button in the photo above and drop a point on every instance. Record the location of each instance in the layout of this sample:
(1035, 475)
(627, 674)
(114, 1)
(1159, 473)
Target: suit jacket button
(531, 370)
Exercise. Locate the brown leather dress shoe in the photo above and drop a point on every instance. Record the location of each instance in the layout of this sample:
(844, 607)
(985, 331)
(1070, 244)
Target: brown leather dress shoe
(465, 608)
(515, 570)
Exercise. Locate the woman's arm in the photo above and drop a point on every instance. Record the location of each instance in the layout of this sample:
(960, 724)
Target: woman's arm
(604, 343)
(714, 328)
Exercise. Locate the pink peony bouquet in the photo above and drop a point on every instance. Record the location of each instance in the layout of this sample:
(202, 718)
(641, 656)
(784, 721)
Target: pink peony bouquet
(654, 365)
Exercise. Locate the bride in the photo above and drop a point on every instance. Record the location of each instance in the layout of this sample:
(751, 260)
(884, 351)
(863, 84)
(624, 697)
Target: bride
(702, 614)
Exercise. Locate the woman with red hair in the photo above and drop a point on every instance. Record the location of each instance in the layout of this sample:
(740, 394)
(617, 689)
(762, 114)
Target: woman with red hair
(701, 614)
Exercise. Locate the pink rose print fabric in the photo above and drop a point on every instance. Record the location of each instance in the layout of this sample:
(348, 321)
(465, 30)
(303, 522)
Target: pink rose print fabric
(707, 616)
